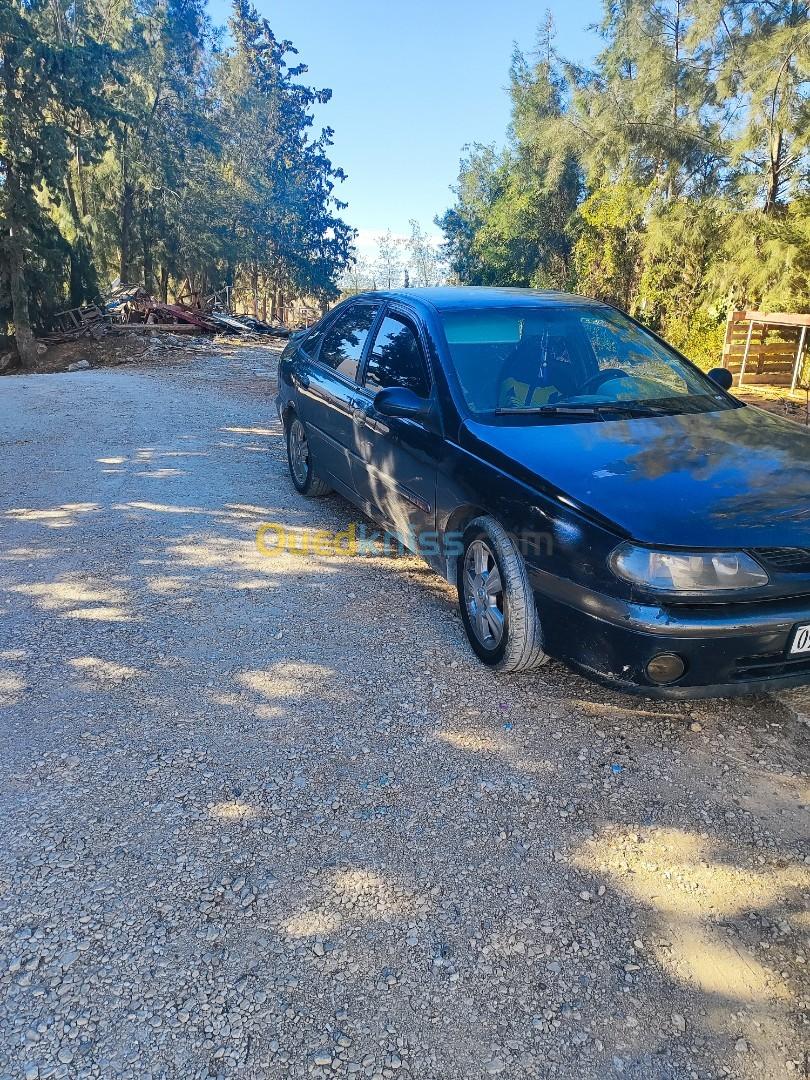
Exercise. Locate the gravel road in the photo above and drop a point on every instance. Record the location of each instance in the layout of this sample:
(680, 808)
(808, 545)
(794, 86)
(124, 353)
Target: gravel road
(267, 817)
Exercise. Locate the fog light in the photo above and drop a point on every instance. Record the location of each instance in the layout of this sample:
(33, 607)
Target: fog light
(665, 668)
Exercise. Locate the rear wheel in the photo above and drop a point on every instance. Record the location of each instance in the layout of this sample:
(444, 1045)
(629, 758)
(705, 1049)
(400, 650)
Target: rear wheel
(496, 599)
(299, 459)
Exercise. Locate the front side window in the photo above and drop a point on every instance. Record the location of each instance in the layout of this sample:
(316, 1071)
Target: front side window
(591, 360)
(343, 342)
(396, 359)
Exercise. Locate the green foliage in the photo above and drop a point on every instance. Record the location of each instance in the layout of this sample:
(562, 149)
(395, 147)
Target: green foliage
(670, 179)
(133, 145)
(766, 259)
(42, 80)
(610, 227)
(283, 211)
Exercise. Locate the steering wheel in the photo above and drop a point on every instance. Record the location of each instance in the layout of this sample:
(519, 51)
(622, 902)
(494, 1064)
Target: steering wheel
(596, 380)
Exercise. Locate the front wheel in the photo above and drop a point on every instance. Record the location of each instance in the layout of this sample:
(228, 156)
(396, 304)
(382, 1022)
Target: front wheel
(496, 599)
(299, 459)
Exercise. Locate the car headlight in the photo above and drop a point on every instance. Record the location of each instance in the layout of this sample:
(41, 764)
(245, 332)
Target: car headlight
(687, 571)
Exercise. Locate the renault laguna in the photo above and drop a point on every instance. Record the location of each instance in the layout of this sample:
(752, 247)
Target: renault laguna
(590, 493)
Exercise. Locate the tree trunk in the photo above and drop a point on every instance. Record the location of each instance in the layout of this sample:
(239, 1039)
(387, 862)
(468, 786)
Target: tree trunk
(127, 198)
(26, 346)
(148, 262)
(126, 230)
(75, 215)
(774, 173)
(80, 183)
(254, 288)
(20, 313)
(164, 284)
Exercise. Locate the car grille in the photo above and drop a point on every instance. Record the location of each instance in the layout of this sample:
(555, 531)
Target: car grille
(770, 666)
(784, 560)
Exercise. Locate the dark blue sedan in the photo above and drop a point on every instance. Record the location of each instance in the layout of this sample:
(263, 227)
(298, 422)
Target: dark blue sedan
(592, 495)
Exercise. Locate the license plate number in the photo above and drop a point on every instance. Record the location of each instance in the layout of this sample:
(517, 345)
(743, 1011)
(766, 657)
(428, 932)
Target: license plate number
(801, 640)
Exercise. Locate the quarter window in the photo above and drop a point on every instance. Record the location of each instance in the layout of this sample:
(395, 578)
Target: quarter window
(396, 359)
(311, 342)
(343, 342)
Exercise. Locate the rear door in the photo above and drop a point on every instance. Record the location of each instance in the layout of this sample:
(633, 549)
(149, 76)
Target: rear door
(396, 459)
(331, 388)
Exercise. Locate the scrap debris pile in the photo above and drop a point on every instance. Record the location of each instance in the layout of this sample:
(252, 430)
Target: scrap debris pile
(129, 309)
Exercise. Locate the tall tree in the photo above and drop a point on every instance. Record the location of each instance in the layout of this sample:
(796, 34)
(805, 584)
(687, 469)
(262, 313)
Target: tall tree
(480, 181)
(673, 172)
(764, 53)
(133, 145)
(40, 80)
(284, 214)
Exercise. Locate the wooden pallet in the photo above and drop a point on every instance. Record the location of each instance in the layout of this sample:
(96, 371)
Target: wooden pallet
(768, 348)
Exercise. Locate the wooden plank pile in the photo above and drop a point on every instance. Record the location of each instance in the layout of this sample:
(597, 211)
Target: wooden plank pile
(155, 312)
(75, 323)
(130, 309)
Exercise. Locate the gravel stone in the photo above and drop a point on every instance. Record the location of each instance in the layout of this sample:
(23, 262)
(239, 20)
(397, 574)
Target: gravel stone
(267, 817)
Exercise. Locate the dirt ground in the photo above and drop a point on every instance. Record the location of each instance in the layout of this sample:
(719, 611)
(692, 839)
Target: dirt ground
(131, 347)
(778, 400)
(266, 816)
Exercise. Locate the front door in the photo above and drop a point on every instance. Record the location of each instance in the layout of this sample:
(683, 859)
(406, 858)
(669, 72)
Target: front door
(395, 462)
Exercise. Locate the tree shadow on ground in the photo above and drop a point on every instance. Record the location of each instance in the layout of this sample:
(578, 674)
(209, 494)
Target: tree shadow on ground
(281, 796)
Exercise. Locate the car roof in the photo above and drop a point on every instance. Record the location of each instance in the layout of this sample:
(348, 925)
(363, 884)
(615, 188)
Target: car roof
(454, 297)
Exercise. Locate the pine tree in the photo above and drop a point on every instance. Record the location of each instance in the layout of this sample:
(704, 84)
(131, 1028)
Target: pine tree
(283, 211)
(40, 81)
(689, 138)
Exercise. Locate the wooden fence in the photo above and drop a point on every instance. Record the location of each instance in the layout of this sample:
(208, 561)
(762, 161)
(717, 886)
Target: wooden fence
(764, 347)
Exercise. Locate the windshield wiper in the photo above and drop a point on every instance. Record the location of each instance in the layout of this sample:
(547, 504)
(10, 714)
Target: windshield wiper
(640, 409)
(549, 410)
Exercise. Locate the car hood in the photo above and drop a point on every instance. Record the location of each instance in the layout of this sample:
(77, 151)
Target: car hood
(726, 479)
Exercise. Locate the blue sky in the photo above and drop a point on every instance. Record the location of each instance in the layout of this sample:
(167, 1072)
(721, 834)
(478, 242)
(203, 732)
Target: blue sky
(412, 82)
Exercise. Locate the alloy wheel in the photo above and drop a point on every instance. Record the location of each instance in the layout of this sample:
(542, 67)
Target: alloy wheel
(299, 452)
(483, 594)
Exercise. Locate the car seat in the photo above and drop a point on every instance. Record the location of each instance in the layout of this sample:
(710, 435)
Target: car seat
(538, 370)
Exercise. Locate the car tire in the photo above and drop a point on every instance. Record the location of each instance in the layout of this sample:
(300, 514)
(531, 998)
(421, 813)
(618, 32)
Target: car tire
(498, 610)
(299, 460)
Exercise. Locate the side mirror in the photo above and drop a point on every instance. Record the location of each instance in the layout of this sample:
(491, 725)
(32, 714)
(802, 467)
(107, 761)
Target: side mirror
(398, 401)
(722, 377)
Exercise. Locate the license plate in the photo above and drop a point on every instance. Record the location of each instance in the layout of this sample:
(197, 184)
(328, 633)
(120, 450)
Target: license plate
(801, 640)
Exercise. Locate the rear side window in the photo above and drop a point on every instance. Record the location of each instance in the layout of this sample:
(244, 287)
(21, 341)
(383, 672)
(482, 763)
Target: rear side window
(396, 359)
(343, 342)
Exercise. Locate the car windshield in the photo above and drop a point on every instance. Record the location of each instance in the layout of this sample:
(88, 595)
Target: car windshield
(567, 360)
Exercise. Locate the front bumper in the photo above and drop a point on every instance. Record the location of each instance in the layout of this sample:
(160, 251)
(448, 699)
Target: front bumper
(729, 649)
